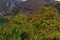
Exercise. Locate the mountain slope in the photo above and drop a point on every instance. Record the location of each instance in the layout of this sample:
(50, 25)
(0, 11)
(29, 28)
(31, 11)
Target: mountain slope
(10, 7)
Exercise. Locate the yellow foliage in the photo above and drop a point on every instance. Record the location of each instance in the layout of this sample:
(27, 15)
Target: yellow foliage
(46, 10)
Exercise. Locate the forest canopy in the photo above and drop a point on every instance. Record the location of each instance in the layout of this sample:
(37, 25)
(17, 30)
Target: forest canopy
(42, 24)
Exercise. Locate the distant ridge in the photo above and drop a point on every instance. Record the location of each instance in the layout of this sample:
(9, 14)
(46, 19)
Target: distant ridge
(10, 7)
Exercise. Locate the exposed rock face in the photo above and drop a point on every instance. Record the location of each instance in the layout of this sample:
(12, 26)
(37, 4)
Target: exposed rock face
(9, 7)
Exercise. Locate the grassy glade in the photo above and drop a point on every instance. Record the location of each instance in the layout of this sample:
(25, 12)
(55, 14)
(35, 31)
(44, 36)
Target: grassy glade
(42, 24)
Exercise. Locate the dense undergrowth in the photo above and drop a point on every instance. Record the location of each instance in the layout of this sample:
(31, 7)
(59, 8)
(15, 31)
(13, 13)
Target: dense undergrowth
(42, 24)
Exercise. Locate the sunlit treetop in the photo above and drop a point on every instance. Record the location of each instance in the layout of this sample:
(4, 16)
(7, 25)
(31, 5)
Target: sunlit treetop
(47, 10)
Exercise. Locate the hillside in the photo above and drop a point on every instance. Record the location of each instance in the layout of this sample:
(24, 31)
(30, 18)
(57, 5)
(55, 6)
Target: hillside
(42, 24)
(10, 7)
(29, 20)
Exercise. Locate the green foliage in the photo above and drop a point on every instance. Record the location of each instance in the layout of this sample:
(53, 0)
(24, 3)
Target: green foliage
(43, 24)
(46, 22)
